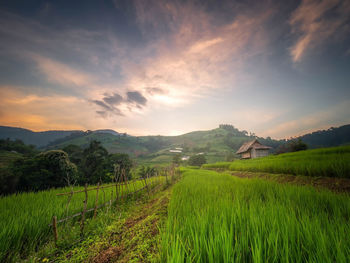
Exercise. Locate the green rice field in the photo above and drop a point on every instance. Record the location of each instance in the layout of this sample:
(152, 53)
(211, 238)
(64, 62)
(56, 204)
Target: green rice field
(326, 162)
(25, 217)
(215, 217)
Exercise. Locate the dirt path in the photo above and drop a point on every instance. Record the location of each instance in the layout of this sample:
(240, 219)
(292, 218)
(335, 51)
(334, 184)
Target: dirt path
(333, 184)
(137, 239)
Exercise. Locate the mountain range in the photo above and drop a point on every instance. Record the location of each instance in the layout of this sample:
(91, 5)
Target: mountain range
(216, 143)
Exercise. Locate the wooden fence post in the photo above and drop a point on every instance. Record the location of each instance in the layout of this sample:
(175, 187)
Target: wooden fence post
(54, 228)
(146, 184)
(126, 184)
(96, 200)
(116, 177)
(104, 195)
(121, 186)
(69, 199)
(117, 190)
(133, 182)
(84, 211)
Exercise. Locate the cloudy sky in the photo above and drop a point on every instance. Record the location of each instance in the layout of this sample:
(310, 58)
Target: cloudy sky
(276, 68)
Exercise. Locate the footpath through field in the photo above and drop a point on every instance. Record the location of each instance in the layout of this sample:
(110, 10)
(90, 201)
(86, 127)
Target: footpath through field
(132, 237)
(137, 239)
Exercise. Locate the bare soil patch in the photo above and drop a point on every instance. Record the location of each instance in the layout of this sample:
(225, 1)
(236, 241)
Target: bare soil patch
(138, 237)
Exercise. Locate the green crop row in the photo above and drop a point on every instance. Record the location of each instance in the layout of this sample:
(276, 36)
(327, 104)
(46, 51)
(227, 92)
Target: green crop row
(25, 217)
(330, 162)
(214, 217)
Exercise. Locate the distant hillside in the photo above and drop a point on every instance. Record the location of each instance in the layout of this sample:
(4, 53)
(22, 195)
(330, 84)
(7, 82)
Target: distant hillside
(108, 131)
(38, 139)
(216, 144)
(328, 138)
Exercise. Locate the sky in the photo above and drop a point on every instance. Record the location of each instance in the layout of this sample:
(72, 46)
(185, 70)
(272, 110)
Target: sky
(147, 67)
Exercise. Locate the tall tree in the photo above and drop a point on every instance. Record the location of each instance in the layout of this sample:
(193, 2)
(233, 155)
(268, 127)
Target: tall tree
(94, 164)
(123, 164)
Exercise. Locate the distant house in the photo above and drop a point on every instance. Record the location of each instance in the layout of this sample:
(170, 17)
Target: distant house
(175, 151)
(185, 158)
(253, 149)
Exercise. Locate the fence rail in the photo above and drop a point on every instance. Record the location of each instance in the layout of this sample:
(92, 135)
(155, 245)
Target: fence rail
(149, 183)
(101, 187)
(94, 208)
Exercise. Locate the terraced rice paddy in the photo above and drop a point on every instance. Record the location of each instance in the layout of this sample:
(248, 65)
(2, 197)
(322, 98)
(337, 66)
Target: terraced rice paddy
(25, 217)
(214, 217)
(327, 162)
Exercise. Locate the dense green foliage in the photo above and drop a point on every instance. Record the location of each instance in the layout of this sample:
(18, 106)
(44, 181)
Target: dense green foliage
(197, 160)
(328, 138)
(177, 159)
(25, 217)
(44, 171)
(327, 162)
(146, 171)
(57, 168)
(215, 217)
(97, 165)
(17, 146)
(293, 145)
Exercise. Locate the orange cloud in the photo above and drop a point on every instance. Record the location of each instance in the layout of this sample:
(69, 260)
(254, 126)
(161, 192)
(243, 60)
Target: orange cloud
(54, 112)
(60, 73)
(197, 56)
(43, 112)
(311, 22)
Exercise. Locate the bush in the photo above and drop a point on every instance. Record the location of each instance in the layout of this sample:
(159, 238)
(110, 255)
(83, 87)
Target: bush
(197, 160)
(45, 170)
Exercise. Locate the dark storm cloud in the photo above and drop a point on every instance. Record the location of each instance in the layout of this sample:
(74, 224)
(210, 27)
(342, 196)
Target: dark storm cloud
(114, 99)
(107, 109)
(109, 103)
(136, 97)
(103, 105)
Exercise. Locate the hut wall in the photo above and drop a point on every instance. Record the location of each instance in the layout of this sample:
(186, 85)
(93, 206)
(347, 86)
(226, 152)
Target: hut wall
(261, 153)
(253, 153)
(245, 155)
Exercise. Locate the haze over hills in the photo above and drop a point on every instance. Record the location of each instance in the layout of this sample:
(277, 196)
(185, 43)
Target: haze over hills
(39, 139)
(216, 143)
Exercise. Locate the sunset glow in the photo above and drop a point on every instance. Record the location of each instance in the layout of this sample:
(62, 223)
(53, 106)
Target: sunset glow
(275, 68)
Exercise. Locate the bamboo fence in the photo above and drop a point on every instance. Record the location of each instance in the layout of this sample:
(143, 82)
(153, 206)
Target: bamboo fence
(121, 188)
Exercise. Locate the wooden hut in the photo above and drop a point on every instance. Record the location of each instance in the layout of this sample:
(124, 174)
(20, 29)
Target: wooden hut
(253, 149)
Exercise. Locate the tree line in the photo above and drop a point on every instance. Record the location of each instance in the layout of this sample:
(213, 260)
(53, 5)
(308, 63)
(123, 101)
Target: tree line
(33, 171)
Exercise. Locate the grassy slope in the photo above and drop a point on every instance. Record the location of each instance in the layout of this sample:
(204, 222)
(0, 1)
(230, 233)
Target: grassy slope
(328, 162)
(24, 217)
(114, 144)
(155, 149)
(215, 217)
(133, 237)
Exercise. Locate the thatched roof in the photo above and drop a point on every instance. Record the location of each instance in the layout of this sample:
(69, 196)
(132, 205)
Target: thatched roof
(254, 143)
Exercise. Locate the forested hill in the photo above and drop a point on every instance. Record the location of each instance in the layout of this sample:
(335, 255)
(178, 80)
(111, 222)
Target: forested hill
(216, 142)
(328, 138)
(38, 139)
